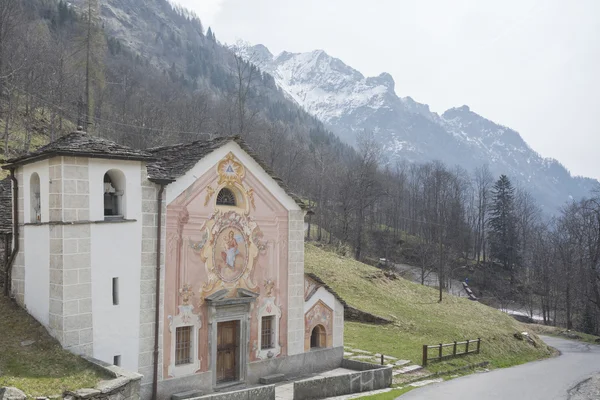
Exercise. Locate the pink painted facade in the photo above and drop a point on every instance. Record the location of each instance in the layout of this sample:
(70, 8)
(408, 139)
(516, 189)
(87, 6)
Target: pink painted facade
(212, 247)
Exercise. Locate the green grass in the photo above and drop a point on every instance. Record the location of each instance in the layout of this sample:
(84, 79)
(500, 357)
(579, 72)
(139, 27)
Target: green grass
(42, 368)
(418, 317)
(560, 332)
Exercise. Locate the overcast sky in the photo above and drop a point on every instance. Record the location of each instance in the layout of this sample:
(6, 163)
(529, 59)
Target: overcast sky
(533, 66)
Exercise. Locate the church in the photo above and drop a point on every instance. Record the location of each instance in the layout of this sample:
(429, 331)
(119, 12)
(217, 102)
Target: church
(184, 263)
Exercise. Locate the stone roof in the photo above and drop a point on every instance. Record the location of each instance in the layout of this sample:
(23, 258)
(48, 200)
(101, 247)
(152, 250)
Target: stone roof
(5, 206)
(327, 287)
(171, 162)
(81, 144)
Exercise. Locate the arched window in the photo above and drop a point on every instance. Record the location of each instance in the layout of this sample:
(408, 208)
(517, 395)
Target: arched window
(226, 197)
(114, 194)
(34, 198)
(318, 337)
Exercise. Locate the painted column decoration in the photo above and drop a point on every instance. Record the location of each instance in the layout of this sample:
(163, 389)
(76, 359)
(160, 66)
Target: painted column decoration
(269, 309)
(185, 317)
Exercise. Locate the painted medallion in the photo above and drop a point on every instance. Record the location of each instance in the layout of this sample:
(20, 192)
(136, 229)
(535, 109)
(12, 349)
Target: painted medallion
(231, 254)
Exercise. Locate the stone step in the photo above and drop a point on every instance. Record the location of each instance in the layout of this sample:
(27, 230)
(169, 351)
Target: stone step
(426, 382)
(187, 395)
(400, 363)
(363, 357)
(269, 379)
(408, 369)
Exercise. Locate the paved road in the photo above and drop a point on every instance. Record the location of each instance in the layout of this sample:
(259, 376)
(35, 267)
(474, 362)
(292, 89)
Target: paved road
(544, 380)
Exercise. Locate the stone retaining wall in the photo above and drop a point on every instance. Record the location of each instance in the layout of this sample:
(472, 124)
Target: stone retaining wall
(354, 314)
(124, 386)
(266, 392)
(368, 377)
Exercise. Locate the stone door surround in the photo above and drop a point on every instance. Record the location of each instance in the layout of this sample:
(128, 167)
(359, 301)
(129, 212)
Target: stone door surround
(223, 309)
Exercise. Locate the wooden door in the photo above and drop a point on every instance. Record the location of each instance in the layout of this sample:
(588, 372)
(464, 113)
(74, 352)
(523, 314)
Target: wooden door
(227, 351)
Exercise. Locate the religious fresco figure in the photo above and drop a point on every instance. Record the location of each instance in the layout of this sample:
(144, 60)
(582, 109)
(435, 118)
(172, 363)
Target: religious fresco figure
(231, 249)
(233, 254)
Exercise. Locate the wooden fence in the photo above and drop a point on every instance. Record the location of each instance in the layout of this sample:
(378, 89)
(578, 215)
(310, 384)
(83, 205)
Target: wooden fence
(455, 350)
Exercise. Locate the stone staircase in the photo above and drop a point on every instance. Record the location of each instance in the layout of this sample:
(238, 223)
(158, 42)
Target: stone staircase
(400, 367)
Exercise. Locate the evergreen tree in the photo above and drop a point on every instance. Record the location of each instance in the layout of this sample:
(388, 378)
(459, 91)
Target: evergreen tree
(504, 245)
(210, 35)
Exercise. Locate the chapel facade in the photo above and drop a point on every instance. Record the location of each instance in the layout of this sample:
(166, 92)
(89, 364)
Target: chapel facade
(184, 263)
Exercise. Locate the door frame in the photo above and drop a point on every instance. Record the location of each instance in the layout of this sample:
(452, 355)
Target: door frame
(224, 310)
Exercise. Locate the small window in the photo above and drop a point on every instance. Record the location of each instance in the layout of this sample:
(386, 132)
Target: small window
(35, 200)
(226, 197)
(267, 331)
(117, 361)
(115, 291)
(114, 191)
(183, 345)
(318, 337)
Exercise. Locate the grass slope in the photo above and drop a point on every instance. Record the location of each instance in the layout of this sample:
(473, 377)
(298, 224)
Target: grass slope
(42, 368)
(418, 317)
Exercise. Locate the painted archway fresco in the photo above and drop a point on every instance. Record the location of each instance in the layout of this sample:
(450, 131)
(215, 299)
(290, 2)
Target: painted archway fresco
(211, 247)
(319, 314)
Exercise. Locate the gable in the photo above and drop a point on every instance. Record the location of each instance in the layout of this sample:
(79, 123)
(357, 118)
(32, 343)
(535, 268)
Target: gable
(209, 162)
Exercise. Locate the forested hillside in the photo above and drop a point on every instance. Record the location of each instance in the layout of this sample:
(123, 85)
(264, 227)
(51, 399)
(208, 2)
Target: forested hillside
(145, 73)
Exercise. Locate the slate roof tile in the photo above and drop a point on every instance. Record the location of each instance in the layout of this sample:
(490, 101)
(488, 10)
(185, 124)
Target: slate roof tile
(83, 145)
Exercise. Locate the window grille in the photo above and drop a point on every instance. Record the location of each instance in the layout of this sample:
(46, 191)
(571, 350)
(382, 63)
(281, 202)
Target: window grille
(266, 336)
(183, 345)
(226, 198)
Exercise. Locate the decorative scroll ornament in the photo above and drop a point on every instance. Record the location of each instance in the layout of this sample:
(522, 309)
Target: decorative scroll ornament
(186, 293)
(230, 170)
(250, 194)
(229, 246)
(209, 192)
(269, 284)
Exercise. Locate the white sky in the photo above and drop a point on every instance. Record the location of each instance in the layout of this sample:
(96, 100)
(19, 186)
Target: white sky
(533, 66)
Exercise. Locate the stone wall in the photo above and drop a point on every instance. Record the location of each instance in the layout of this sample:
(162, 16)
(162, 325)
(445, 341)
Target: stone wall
(316, 360)
(295, 340)
(148, 280)
(18, 267)
(368, 377)
(354, 314)
(70, 309)
(266, 392)
(124, 386)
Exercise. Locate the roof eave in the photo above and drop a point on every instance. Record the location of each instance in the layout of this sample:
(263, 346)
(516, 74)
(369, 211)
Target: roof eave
(16, 162)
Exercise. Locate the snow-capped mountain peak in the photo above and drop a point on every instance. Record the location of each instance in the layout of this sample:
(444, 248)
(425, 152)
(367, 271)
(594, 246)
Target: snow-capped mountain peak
(349, 103)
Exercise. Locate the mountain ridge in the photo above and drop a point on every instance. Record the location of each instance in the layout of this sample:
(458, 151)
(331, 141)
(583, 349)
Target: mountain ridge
(348, 102)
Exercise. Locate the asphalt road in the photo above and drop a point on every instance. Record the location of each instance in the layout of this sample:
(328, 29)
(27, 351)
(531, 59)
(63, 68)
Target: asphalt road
(539, 380)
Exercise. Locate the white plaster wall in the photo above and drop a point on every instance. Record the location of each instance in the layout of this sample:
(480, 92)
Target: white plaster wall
(321, 294)
(338, 324)
(42, 169)
(37, 286)
(116, 251)
(210, 161)
(338, 312)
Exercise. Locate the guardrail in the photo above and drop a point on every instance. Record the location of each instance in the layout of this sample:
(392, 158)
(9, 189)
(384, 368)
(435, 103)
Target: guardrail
(455, 353)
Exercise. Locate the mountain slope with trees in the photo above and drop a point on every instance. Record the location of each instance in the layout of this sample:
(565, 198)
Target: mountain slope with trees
(146, 73)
